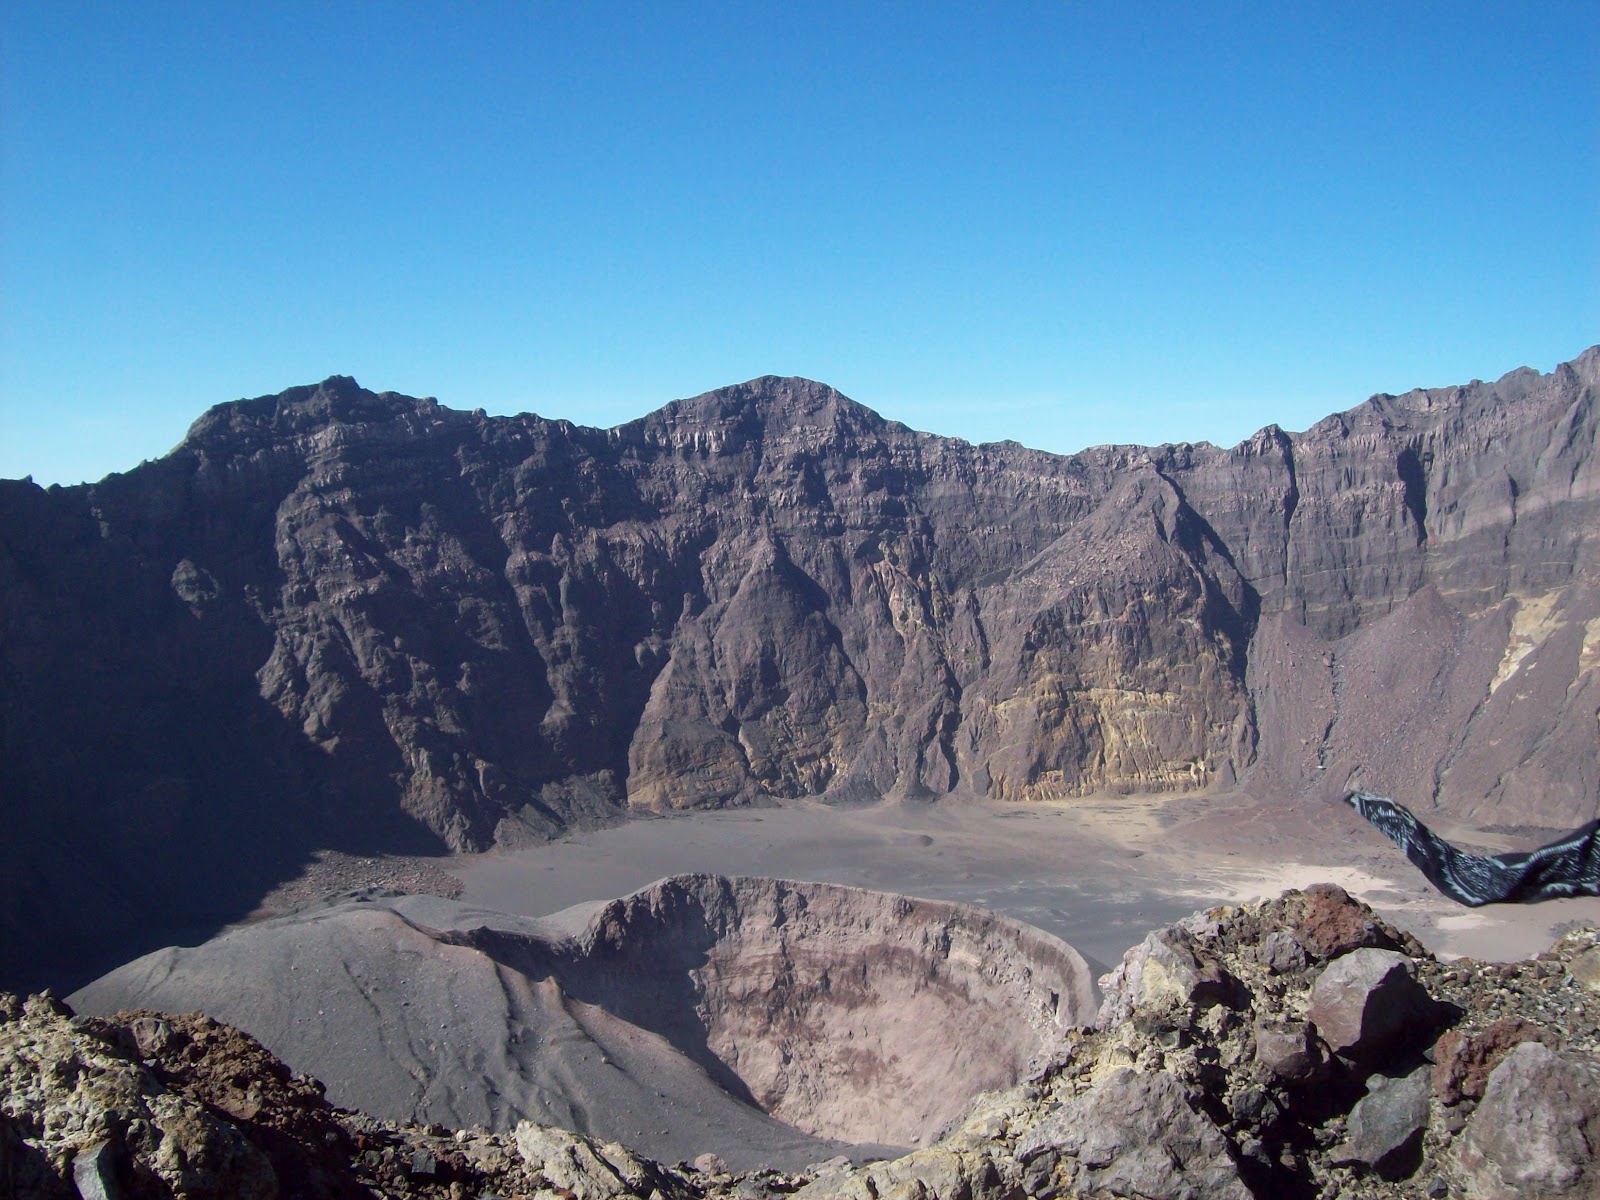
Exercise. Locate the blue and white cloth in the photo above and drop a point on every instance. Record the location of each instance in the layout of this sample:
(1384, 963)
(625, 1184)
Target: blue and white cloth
(1569, 866)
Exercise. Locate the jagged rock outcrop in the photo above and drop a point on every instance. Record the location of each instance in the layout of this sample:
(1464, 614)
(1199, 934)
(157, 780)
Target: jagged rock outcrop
(338, 619)
(81, 1114)
(1182, 1089)
(1534, 1133)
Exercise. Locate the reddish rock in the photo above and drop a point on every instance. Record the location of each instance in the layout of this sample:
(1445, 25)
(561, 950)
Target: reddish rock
(1367, 1000)
(1463, 1061)
(1330, 923)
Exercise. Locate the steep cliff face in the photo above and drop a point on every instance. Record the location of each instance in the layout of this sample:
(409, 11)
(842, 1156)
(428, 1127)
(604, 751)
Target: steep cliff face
(1426, 572)
(766, 592)
(1483, 491)
(337, 618)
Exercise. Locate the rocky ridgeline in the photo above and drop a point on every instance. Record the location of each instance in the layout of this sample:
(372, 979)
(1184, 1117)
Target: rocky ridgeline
(338, 619)
(151, 1105)
(1293, 1047)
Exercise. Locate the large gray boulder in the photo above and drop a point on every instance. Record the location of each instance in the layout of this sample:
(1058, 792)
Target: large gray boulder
(1368, 1000)
(1534, 1135)
(1135, 1134)
(1386, 1126)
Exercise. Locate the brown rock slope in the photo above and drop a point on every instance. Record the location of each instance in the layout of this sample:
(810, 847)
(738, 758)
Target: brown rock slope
(333, 619)
(765, 1021)
(1295, 1047)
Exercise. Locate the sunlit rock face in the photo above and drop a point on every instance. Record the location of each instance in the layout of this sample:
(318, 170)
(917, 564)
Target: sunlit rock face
(764, 1020)
(333, 618)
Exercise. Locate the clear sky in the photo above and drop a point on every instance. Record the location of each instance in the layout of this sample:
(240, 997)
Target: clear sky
(1064, 223)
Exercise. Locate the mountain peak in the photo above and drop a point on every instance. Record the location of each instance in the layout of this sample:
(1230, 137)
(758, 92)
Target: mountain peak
(774, 402)
(337, 400)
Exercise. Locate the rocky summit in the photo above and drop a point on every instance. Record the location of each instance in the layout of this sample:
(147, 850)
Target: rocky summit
(334, 620)
(1293, 1047)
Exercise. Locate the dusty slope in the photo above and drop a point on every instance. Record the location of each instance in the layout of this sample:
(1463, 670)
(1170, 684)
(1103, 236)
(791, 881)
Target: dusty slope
(674, 1019)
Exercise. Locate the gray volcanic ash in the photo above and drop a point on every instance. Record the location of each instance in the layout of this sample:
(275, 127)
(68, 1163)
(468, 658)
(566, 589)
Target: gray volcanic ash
(1290, 1048)
(766, 1021)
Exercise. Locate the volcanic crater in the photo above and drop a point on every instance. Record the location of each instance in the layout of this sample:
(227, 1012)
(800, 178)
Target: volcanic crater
(768, 1021)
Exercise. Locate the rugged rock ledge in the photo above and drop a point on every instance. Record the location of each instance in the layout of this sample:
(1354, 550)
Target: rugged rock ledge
(1293, 1047)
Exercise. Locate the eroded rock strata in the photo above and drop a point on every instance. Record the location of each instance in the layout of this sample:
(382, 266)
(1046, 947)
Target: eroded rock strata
(338, 620)
(1294, 1047)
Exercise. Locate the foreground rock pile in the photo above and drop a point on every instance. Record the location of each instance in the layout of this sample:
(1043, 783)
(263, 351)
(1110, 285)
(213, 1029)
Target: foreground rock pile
(1296, 1047)
(150, 1105)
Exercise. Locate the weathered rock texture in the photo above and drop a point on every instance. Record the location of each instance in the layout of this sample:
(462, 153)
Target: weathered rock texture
(704, 1014)
(145, 1106)
(1183, 1089)
(1191, 1089)
(332, 619)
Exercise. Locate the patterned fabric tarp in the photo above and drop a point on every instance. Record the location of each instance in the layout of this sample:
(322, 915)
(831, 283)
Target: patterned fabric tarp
(1569, 866)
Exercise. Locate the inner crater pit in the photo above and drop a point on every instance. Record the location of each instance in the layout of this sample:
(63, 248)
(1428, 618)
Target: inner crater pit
(848, 1014)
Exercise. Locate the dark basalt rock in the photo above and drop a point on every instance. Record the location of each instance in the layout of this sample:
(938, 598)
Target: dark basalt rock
(1288, 1052)
(1136, 1135)
(338, 619)
(1387, 1125)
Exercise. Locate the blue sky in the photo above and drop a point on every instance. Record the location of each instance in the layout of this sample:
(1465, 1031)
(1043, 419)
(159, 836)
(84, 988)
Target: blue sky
(1061, 223)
